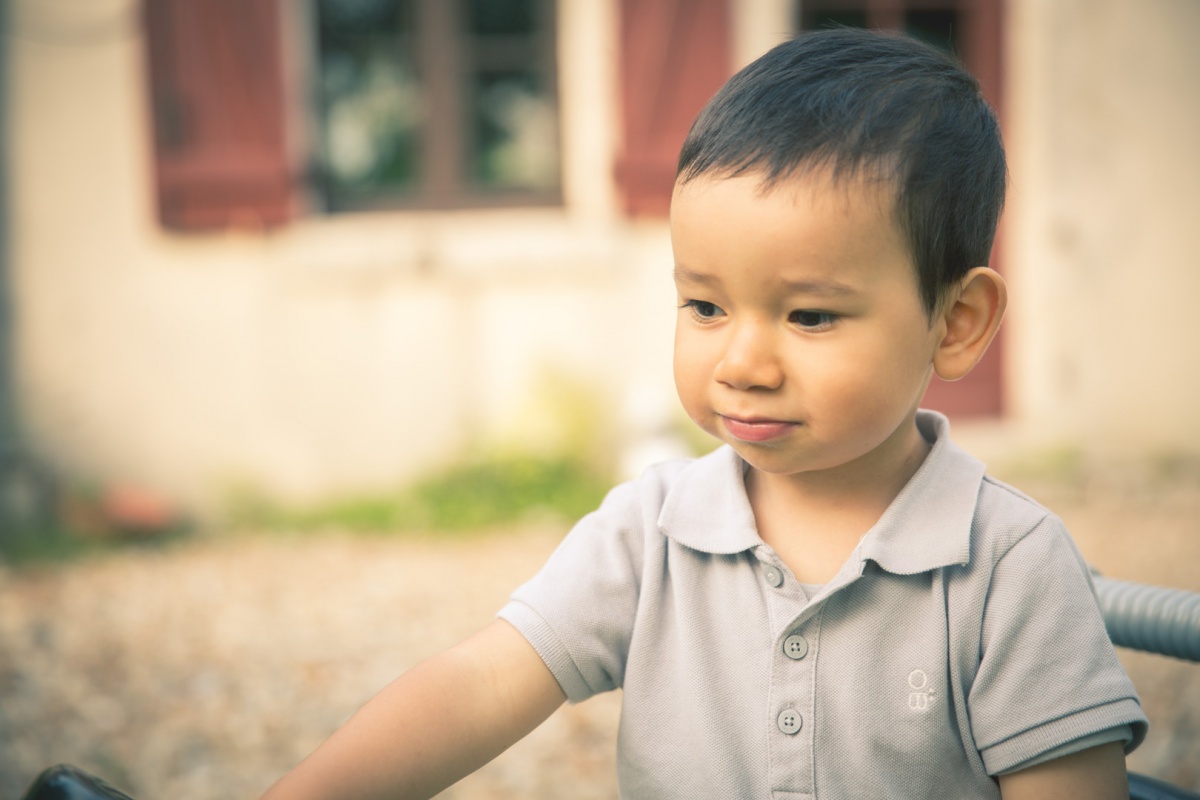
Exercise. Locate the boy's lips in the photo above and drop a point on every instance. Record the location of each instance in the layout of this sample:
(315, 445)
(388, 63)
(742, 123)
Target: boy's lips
(756, 430)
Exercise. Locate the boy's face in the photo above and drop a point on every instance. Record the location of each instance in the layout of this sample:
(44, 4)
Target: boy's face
(801, 339)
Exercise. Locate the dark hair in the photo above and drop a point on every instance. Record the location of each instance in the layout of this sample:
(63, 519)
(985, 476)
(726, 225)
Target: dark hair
(871, 105)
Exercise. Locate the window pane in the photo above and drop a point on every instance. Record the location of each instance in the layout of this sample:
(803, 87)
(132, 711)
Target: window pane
(937, 27)
(931, 23)
(815, 19)
(359, 18)
(502, 17)
(370, 99)
(514, 131)
(437, 103)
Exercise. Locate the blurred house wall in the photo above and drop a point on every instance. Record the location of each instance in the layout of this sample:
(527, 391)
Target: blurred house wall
(1103, 245)
(350, 352)
(337, 353)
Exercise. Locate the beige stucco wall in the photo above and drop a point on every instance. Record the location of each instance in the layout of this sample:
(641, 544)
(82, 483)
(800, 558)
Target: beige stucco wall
(1103, 240)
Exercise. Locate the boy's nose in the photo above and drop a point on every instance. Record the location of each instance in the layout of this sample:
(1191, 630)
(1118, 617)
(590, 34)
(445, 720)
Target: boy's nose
(749, 360)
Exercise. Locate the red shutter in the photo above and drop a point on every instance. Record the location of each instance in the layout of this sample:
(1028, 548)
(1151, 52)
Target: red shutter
(216, 83)
(675, 54)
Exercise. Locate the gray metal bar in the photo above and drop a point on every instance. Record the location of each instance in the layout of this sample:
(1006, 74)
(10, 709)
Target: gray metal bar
(1151, 618)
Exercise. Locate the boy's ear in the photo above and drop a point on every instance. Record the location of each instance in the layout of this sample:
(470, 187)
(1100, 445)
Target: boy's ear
(970, 320)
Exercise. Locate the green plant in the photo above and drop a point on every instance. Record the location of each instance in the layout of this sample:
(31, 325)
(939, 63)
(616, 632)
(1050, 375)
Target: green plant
(475, 494)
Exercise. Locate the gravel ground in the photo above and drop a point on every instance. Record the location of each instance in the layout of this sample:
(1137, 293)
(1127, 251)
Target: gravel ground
(204, 670)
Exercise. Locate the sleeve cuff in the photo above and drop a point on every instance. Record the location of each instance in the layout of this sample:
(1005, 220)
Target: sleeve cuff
(1119, 733)
(551, 649)
(1025, 749)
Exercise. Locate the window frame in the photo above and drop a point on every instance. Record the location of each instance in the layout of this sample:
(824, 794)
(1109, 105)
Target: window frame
(442, 59)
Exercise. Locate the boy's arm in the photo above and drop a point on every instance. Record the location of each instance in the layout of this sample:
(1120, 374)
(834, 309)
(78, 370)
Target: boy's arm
(1094, 774)
(441, 720)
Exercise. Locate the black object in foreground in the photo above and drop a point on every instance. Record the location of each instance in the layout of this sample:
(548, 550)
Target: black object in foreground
(65, 782)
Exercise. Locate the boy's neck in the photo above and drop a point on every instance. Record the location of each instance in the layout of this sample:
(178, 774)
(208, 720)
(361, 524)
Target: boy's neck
(813, 520)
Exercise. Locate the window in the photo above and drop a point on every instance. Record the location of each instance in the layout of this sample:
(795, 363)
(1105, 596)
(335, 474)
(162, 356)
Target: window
(436, 103)
(417, 103)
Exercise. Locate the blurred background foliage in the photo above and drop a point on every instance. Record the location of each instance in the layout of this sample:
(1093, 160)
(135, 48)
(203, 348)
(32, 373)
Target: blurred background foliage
(478, 493)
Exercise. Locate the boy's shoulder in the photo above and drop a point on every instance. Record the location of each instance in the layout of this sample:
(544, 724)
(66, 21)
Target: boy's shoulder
(1015, 535)
(954, 471)
(996, 496)
(953, 512)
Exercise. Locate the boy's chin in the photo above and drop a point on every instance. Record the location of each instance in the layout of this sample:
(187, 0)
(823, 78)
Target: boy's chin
(763, 458)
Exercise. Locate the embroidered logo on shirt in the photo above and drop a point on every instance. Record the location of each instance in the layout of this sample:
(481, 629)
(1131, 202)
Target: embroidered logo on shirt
(920, 696)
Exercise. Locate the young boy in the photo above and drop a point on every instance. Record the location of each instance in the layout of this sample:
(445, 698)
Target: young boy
(838, 603)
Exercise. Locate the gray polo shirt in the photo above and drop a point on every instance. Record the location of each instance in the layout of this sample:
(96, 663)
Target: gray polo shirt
(960, 640)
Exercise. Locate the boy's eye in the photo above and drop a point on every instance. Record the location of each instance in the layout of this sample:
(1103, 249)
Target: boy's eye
(812, 320)
(703, 309)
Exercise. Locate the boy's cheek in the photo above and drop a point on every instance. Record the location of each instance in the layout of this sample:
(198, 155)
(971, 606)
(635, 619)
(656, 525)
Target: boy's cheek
(689, 365)
(697, 408)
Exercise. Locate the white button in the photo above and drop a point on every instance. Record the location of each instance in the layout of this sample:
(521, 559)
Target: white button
(774, 575)
(789, 721)
(795, 647)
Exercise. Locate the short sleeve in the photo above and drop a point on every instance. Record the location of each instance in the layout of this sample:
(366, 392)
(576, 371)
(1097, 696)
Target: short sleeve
(1121, 733)
(1048, 674)
(578, 611)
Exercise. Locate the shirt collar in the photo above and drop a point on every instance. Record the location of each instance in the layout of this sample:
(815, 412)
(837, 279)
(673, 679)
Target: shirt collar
(927, 526)
(706, 507)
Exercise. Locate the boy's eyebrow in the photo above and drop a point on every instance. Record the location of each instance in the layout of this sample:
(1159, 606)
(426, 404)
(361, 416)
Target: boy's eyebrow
(827, 287)
(815, 286)
(685, 275)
